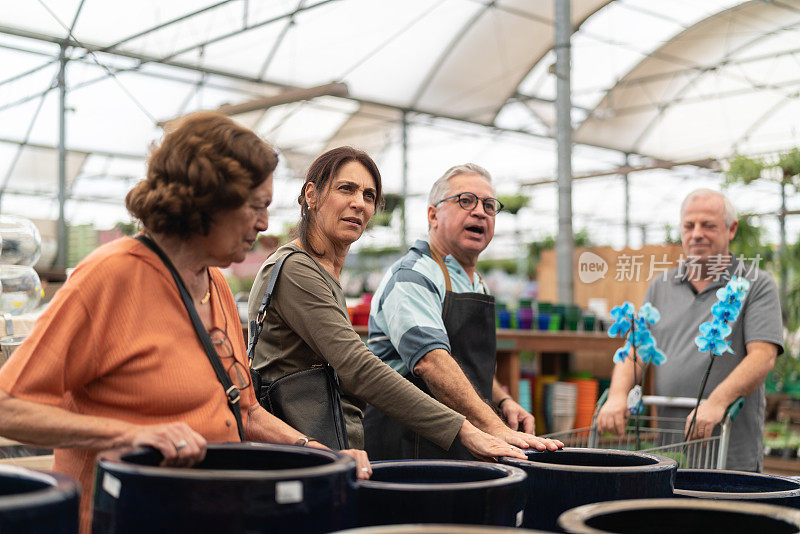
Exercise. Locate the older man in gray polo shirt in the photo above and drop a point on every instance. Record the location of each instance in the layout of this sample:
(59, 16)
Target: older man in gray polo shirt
(685, 297)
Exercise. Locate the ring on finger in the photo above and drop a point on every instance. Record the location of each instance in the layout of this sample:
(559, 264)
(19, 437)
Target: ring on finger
(365, 469)
(181, 445)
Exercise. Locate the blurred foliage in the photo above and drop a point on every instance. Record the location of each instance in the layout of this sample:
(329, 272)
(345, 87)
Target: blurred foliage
(392, 201)
(377, 252)
(380, 218)
(750, 242)
(792, 260)
(785, 171)
(789, 164)
(669, 239)
(581, 239)
(743, 169)
(127, 228)
(509, 265)
(383, 216)
(535, 249)
(238, 284)
(513, 203)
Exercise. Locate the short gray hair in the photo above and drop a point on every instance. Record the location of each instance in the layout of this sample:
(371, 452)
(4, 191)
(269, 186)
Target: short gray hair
(439, 189)
(729, 214)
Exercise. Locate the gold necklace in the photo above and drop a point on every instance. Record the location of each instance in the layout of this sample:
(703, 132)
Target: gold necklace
(207, 296)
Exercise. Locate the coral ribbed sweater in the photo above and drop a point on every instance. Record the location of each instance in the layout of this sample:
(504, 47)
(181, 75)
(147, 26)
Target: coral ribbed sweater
(116, 341)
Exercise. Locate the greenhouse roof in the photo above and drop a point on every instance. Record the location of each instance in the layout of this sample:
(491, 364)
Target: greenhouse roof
(678, 85)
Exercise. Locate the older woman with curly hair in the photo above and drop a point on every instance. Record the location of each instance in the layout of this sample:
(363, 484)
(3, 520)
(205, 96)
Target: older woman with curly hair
(115, 360)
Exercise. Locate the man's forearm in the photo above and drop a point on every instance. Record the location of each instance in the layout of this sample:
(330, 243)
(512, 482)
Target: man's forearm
(450, 386)
(747, 376)
(622, 379)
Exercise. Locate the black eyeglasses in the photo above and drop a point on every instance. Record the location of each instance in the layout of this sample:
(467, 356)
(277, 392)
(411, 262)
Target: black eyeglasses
(468, 201)
(240, 375)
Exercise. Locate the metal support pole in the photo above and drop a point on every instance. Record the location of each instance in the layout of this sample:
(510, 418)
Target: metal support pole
(61, 254)
(404, 187)
(565, 243)
(782, 258)
(626, 181)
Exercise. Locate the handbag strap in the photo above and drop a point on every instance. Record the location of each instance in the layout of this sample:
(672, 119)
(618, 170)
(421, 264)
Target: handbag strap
(231, 391)
(258, 324)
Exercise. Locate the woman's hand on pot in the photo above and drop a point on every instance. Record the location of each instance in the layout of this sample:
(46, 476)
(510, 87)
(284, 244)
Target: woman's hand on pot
(485, 446)
(526, 441)
(178, 443)
(363, 469)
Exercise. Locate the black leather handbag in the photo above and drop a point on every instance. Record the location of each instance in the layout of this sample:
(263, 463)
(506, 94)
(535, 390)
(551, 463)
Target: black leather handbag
(309, 399)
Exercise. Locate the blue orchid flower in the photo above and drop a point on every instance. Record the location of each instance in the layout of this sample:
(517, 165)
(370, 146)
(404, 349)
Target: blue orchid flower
(724, 312)
(638, 337)
(713, 333)
(642, 337)
(649, 313)
(712, 338)
(623, 316)
(739, 285)
(650, 353)
(623, 352)
(729, 297)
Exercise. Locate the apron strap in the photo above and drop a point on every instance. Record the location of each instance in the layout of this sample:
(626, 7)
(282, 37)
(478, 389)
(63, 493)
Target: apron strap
(438, 259)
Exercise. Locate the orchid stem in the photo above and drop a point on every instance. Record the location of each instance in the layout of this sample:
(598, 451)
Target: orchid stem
(700, 396)
(633, 348)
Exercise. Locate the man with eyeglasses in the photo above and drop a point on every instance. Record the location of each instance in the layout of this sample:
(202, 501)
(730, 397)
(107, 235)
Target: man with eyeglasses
(432, 320)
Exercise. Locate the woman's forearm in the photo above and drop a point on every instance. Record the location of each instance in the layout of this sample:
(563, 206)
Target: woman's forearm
(264, 427)
(52, 427)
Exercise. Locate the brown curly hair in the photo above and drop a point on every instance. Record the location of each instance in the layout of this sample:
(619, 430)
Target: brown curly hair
(205, 165)
(320, 173)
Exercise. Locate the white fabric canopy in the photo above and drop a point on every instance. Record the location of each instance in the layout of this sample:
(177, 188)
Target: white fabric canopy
(680, 80)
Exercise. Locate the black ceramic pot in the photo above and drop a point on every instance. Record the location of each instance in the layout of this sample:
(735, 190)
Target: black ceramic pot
(428, 528)
(679, 516)
(37, 503)
(441, 491)
(737, 486)
(563, 479)
(238, 488)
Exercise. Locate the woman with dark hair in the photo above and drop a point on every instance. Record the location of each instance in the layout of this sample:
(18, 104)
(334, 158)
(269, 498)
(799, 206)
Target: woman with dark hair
(307, 323)
(115, 360)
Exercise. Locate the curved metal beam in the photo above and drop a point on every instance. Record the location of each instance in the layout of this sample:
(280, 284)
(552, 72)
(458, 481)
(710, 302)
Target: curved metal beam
(763, 118)
(278, 42)
(541, 56)
(426, 82)
(694, 80)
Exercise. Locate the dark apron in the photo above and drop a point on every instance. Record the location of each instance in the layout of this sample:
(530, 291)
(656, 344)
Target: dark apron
(469, 322)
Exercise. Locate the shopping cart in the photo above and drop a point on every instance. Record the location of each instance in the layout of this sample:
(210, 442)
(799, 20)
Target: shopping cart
(660, 435)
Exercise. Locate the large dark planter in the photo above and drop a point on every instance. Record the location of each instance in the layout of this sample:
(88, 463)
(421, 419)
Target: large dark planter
(737, 486)
(563, 479)
(441, 491)
(37, 503)
(238, 488)
(429, 528)
(679, 516)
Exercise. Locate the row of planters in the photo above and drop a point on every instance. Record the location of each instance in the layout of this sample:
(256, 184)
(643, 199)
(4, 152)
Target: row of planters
(243, 488)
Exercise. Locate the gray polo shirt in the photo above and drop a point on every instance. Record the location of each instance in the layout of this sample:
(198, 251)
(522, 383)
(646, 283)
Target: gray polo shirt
(682, 311)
